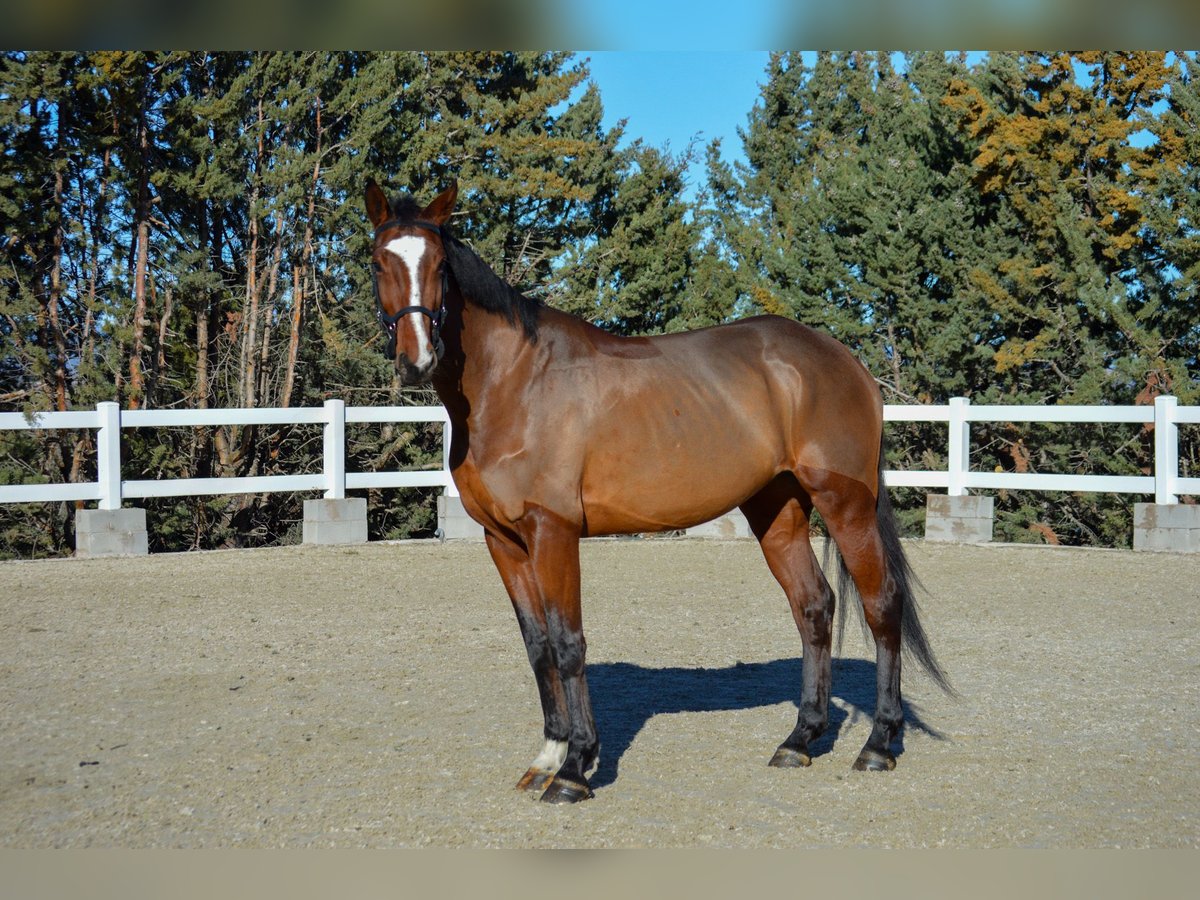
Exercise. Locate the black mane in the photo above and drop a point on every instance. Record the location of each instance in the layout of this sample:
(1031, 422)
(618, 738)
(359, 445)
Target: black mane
(475, 278)
(483, 287)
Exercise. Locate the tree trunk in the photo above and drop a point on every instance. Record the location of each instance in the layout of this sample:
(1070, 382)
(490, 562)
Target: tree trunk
(289, 378)
(896, 361)
(160, 356)
(268, 307)
(55, 298)
(249, 377)
(142, 237)
(297, 294)
(84, 446)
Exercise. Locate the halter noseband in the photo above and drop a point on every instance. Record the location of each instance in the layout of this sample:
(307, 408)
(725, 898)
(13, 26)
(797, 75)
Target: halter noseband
(388, 322)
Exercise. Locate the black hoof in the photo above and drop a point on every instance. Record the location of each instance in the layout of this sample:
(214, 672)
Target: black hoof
(534, 781)
(563, 791)
(874, 761)
(787, 758)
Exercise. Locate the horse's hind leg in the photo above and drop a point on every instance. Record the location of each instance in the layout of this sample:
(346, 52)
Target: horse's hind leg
(778, 516)
(849, 510)
(516, 571)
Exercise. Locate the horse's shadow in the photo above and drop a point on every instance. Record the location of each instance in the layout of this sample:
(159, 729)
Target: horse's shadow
(625, 696)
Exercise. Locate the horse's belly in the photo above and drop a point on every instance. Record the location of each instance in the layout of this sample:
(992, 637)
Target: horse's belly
(645, 517)
(644, 493)
(674, 459)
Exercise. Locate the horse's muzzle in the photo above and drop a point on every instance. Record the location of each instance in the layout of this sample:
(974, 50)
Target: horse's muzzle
(411, 374)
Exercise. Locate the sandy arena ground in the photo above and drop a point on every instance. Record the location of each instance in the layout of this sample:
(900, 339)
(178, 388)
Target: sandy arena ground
(379, 696)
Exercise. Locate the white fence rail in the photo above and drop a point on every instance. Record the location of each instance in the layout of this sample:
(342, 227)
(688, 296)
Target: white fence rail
(110, 489)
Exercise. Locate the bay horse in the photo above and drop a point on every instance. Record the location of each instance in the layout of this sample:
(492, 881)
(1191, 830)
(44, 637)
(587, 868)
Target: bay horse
(561, 431)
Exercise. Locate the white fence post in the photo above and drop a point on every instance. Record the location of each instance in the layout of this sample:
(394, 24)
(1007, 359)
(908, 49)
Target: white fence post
(1166, 450)
(1167, 524)
(959, 462)
(108, 455)
(451, 487)
(453, 521)
(335, 450)
(110, 530)
(337, 519)
(954, 516)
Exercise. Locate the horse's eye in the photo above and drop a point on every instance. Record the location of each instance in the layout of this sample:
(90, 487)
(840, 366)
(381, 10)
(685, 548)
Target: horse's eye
(378, 267)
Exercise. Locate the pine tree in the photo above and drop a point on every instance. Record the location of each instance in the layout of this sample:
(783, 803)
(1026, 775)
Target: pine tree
(1053, 164)
(633, 280)
(44, 328)
(711, 293)
(534, 166)
(850, 214)
(1163, 315)
(1060, 263)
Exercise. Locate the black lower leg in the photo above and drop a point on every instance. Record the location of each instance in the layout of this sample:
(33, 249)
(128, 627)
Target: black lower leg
(877, 754)
(815, 619)
(570, 650)
(813, 717)
(584, 747)
(541, 660)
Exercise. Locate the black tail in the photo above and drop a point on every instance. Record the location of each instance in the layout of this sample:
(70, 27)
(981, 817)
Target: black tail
(912, 634)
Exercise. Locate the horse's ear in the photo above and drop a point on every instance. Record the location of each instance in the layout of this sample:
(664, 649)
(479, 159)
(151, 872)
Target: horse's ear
(438, 212)
(378, 210)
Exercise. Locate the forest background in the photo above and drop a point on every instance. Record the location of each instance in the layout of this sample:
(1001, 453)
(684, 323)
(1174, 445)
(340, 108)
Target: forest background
(185, 230)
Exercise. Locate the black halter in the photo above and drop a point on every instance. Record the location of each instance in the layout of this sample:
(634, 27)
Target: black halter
(388, 322)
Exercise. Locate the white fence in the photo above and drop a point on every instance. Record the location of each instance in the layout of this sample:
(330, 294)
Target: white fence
(110, 489)
(1165, 484)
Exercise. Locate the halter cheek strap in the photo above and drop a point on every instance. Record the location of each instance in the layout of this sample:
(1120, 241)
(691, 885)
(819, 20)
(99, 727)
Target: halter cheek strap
(388, 322)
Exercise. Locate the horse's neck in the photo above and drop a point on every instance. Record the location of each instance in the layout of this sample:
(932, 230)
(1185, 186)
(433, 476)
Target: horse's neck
(485, 348)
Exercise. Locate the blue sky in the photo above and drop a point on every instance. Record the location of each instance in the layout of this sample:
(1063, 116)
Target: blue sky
(671, 97)
(679, 24)
(684, 70)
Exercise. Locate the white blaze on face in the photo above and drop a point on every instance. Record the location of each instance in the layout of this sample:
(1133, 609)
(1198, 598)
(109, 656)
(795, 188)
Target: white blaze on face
(410, 249)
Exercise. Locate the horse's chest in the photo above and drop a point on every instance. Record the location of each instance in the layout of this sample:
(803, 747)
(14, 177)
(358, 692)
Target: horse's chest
(498, 488)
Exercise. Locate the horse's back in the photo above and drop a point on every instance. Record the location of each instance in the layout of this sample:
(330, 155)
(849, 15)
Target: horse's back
(758, 370)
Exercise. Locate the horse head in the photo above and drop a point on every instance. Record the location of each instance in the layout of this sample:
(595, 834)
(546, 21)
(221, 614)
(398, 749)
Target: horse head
(408, 263)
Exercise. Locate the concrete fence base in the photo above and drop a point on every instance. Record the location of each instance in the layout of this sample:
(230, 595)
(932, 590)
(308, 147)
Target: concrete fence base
(961, 520)
(1157, 526)
(731, 526)
(454, 523)
(968, 520)
(111, 532)
(335, 521)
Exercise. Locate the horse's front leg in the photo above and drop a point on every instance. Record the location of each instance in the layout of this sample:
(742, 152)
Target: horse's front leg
(554, 550)
(516, 571)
